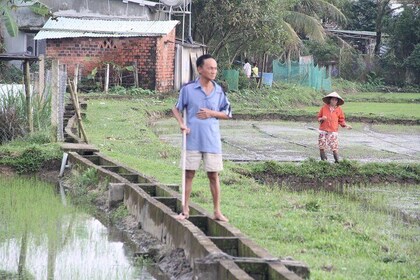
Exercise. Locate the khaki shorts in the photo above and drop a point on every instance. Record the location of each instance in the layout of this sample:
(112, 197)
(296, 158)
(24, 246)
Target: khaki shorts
(211, 162)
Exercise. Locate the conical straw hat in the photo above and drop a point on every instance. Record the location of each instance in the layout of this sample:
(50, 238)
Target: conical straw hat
(326, 98)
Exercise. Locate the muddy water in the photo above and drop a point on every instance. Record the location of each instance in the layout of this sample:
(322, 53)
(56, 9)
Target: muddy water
(297, 141)
(77, 246)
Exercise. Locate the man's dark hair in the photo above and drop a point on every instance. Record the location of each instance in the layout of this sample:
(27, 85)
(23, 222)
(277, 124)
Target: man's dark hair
(246, 60)
(201, 59)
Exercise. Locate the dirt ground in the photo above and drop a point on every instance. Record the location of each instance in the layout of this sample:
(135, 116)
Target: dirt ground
(287, 141)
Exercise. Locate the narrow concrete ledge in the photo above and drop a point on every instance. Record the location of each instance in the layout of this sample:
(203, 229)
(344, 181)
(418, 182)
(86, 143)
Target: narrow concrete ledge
(79, 148)
(215, 250)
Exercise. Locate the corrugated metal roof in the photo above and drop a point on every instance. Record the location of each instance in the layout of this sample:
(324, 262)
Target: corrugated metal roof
(64, 27)
(367, 33)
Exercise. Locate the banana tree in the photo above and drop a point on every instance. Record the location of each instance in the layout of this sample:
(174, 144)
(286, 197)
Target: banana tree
(8, 6)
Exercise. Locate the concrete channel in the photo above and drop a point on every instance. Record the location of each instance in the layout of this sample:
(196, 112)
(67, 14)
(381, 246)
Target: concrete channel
(215, 250)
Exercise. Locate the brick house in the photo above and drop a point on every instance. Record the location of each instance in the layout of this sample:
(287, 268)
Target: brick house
(92, 42)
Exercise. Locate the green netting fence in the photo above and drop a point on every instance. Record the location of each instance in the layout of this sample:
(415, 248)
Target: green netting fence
(303, 74)
(232, 79)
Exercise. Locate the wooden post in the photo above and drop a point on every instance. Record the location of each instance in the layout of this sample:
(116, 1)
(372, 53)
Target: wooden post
(74, 98)
(55, 86)
(76, 77)
(136, 74)
(28, 97)
(107, 79)
(41, 77)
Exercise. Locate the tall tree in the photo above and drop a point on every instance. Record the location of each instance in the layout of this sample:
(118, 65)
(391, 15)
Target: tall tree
(382, 9)
(404, 42)
(275, 26)
(220, 23)
(361, 15)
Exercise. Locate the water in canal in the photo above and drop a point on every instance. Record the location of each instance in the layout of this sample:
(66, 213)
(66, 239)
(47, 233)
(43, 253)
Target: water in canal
(41, 238)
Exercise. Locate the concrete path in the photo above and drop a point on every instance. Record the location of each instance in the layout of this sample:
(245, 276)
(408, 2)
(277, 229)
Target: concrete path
(296, 141)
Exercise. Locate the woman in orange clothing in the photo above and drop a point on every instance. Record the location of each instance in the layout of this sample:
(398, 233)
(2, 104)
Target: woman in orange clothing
(329, 117)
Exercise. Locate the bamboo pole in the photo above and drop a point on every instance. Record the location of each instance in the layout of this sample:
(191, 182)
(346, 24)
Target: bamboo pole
(74, 98)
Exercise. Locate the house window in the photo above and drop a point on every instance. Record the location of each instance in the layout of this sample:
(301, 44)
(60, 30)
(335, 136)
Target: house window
(34, 47)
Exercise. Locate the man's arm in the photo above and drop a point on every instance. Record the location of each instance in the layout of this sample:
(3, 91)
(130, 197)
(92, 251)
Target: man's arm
(179, 118)
(205, 113)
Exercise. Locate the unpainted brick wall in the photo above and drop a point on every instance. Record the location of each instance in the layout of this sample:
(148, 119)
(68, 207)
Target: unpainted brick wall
(155, 56)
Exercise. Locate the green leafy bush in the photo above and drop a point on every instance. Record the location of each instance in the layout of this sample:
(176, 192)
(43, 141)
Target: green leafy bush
(29, 161)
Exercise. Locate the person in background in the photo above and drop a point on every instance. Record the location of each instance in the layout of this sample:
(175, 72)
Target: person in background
(255, 73)
(247, 68)
(330, 116)
(205, 103)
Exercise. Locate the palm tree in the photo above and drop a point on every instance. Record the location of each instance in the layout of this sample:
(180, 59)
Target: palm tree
(304, 19)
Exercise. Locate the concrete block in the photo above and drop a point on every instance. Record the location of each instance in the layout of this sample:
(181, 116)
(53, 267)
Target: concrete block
(115, 194)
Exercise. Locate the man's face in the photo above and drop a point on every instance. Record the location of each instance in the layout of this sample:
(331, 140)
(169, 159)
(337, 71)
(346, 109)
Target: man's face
(209, 69)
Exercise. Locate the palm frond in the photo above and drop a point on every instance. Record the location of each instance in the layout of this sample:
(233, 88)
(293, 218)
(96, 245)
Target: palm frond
(293, 43)
(305, 24)
(331, 11)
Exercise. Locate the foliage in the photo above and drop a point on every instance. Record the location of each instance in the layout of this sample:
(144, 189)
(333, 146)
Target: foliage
(260, 27)
(413, 61)
(13, 114)
(380, 112)
(29, 205)
(8, 6)
(403, 57)
(350, 170)
(280, 96)
(87, 179)
(233, 23)
(84, 184)
(28, 157)
(384, 97)
(352, 65)
(119, 213)
(361, 15)
(323, 52)
(133, 91)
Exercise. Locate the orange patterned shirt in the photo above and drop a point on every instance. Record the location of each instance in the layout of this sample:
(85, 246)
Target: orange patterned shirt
(334, 118)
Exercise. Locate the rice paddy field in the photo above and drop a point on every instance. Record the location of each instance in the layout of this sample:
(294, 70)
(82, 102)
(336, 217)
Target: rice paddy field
(358, 234)
(43, 238)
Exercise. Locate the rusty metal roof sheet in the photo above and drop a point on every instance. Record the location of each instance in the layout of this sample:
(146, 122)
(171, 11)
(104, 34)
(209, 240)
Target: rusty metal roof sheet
(65, 27)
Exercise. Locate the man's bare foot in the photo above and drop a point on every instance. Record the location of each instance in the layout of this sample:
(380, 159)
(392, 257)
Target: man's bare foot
(182, 216)
(220, 217)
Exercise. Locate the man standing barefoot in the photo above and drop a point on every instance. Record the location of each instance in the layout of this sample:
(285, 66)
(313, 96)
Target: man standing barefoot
(205, 103)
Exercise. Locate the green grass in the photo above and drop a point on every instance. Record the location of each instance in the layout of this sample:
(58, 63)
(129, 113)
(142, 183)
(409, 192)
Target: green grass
(386, 110)
(272, 99)
(312, 169)
(41, 211)
(27, 156)
(381, 97)
(326, 230)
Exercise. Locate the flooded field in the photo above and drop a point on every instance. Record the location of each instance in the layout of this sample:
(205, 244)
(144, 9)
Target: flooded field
(40, 238)
(297, 141)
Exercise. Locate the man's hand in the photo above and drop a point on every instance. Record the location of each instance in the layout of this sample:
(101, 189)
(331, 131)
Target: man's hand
(348, 126)
(204, 113)
(184, 128)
